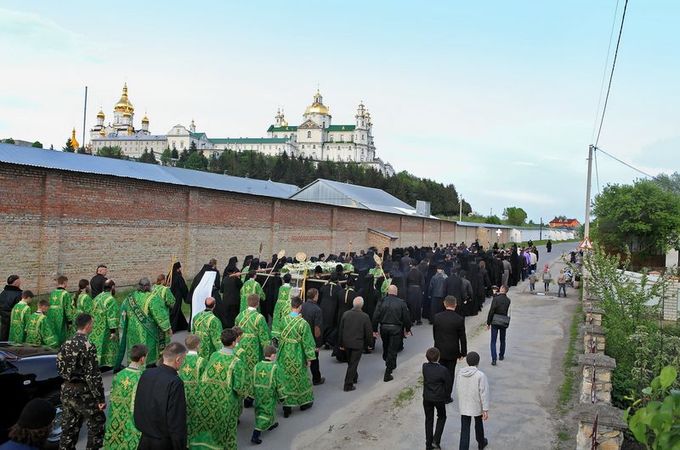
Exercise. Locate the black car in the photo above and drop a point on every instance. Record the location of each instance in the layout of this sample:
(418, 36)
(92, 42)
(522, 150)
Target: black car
(27, 372)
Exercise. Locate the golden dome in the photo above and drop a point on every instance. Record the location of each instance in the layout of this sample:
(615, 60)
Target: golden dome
(100, 114)
(124, 104)
(317, 107)
(145, 119)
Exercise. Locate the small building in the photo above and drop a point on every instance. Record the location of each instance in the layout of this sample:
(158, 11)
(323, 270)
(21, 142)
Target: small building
(564, 223)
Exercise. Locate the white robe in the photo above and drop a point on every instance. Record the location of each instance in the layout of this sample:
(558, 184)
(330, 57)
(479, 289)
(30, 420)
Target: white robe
(202, 291)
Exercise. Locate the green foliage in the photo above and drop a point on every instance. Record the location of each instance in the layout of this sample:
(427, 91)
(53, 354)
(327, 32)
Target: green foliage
(656, 424)
(8, 141)
(37, 144)
(196, 161)
(641, 217)
(174, 154)
(68, 147)
(635, 337)
(670, 183)
(111, 152)
(514, 215)
(148, 157)
(166, 157)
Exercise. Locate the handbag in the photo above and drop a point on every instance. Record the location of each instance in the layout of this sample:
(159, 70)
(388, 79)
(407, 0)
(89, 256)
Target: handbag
(500, 320)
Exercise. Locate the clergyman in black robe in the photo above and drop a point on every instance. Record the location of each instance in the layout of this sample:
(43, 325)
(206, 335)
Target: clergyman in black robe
(231, 295)
(179, 290)
(330, 297)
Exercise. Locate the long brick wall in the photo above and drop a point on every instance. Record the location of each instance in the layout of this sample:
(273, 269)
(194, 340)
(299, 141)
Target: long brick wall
(66, 222)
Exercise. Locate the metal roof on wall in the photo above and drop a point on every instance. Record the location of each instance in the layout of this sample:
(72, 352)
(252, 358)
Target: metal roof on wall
(353, 196)
(73, 162)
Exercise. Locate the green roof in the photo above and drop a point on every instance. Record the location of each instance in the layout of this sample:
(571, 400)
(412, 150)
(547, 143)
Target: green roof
(199, 135)
(249, 140)
(273, 128)
(341, 128)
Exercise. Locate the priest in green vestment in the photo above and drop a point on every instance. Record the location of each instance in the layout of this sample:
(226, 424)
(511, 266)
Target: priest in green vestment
(144, 320)
(161, 290)
(82, 303)
(251, 286)
(18, 321)
(106, 320)
(38, 330)
(208, 328)
(220, 395)
(61, 309)
(190, 373)
(296, 352)
(282, 307)
(254, 339)
(267, 391)
(385, 284)
(121, 433)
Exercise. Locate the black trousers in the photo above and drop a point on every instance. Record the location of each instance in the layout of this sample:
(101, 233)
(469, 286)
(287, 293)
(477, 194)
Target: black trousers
(314, 368)
(429, 408)
(5, 320)
(436, 306)
(450, 365)
(353, 358)
(465, 431)
(392, 337)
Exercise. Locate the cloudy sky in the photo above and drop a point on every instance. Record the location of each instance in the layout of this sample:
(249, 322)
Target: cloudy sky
(498, 98)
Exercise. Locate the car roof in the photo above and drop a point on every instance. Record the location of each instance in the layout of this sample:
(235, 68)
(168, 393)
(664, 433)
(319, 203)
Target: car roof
(10, 350)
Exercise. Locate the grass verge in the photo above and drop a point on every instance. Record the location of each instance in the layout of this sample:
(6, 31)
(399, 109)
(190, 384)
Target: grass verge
(567, 387)
(404, 397)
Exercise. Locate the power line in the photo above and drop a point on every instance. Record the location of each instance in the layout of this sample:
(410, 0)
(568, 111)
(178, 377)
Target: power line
(611, 75)
(626, 164)
(604, 70)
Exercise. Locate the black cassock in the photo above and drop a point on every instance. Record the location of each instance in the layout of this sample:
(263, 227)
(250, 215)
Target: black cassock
(270, 286)
(415, 280)
(231, 296)
(516, 267)
(330, 297)
(180, 291)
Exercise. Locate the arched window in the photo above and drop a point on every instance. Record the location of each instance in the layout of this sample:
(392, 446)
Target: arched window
(309, 134)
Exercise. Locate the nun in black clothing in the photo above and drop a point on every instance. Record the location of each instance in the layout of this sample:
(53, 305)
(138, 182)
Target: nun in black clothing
(179, 290)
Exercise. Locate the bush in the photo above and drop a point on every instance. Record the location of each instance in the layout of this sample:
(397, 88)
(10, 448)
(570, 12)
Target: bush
(656, 424)
(635, 337)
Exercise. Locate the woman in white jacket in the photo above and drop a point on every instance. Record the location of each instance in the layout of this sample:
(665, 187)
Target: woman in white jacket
(472, 389)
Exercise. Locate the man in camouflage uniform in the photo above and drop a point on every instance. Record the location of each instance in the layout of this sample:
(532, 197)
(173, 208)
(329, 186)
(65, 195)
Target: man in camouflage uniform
(82, 393)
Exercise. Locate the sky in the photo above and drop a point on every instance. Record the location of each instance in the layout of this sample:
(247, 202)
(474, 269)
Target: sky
(498, 98)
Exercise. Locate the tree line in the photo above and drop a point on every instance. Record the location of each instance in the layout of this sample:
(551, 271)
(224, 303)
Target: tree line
(301, 171)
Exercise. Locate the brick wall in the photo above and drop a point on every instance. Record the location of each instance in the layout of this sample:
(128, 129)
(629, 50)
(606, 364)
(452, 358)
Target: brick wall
(64, 222)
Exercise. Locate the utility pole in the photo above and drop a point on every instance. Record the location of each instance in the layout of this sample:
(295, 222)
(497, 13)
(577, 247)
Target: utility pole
(586, 225)
(540, 230)
(460, 209)
(84, 118)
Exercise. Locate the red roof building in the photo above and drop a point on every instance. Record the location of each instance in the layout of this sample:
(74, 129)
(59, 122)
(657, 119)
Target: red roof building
(564, 223)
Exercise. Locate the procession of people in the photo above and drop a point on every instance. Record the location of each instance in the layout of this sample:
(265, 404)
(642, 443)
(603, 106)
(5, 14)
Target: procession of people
(254, 337)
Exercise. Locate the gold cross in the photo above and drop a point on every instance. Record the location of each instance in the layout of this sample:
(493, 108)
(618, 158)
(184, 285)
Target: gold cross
(218, 367)
(126, 382)
(186, 369)
(263, 373)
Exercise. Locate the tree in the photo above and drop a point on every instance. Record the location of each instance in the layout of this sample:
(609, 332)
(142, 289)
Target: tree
(670, 183)
(166, 157)
(8, 141)
(174, 153)
(111, 152)
(514, 215)
(37, 144)
(196, 161)
(192, 147)
(69, 146)
(148, 157)
(641, 217)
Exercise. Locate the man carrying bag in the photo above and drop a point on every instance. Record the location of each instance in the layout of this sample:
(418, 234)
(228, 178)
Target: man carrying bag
(498, 321)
